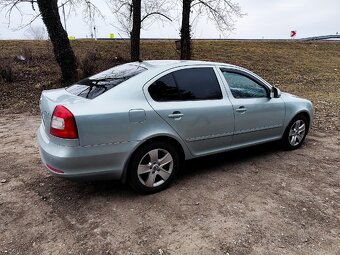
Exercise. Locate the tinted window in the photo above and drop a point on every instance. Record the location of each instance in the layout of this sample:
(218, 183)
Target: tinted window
(187, 84)
(98, 84)
(164, 89)
(198, 84)
(243, 87)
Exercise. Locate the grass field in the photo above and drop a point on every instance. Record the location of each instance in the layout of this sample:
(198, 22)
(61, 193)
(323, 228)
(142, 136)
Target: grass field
(308, 69)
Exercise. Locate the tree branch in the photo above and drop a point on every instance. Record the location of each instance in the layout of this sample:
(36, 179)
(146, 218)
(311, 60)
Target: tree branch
(222, 12)
(155, 13)
(15, 5)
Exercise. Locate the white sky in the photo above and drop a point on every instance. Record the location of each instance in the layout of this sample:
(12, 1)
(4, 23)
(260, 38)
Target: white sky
(265, 19)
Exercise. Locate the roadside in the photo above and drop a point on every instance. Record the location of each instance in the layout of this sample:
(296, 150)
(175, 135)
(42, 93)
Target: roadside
(261, 200)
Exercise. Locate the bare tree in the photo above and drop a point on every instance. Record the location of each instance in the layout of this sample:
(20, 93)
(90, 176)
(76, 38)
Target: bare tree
(36, 33)
(222, 12)
(49, 12)
(185, 30)
(63, 51)
(132, 15)
(90, 13)
(136, 27)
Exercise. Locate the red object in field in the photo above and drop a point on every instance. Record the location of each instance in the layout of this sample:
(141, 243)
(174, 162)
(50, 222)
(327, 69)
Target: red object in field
(292, 33)
(63, 124)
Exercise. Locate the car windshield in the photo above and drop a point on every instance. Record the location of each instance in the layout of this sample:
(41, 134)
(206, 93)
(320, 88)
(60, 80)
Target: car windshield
(98, 84)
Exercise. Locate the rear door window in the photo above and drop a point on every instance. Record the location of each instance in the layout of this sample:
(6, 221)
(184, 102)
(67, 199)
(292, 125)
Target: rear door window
(187, 84)
(98, 84)
(164, 89)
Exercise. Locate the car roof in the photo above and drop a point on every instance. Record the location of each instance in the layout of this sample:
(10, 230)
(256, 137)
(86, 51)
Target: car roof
(158, 66)
(167, 64)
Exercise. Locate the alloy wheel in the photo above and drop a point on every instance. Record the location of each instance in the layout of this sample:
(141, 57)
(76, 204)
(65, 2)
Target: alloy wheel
(297, 132)
(155, 167)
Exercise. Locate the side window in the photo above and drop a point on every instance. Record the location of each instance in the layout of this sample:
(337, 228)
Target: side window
(243, 87)
(198, 84)
(164, 89)
(187, 84)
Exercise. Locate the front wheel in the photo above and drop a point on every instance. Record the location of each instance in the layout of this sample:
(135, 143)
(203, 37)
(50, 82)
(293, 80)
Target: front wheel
(153, 167)
(295, 132)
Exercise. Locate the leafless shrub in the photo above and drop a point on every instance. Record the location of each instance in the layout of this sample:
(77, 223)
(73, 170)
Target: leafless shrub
(89, 62)
(93, 62)
(6, 71)
(120, 59)
(36, 33)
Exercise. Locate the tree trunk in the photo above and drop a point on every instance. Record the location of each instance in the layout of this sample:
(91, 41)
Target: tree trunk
(61, 45)
(135, 33)
(185, 31)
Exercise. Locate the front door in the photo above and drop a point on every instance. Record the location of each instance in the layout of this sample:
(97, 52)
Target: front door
(258, 117)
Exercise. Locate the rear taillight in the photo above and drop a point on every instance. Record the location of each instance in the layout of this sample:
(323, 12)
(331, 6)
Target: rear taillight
(63, 124)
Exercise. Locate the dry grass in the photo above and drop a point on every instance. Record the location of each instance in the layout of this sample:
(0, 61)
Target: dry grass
(308, 69)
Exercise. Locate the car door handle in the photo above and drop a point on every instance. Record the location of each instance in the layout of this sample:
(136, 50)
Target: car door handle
(176, 115)
(241, 109)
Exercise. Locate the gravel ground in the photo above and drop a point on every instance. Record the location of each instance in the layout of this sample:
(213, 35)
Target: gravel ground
(260, 200)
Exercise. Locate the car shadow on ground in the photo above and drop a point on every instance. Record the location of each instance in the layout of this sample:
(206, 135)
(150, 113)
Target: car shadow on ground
(71, 190)
(202, 165)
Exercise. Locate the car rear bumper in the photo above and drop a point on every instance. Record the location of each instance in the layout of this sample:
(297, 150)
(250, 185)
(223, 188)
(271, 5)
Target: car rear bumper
(84, 162)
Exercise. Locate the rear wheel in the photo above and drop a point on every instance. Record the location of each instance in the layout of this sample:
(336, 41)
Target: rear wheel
(153, 167)
(295, 132)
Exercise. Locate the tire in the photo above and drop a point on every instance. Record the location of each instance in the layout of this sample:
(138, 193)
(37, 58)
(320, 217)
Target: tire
(153, 167)
(295, 132)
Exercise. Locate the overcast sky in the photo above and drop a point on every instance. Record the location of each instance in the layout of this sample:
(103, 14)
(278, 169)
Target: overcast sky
(264, 19)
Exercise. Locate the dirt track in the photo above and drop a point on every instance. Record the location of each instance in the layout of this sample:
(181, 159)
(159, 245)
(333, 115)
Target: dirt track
(257, 201)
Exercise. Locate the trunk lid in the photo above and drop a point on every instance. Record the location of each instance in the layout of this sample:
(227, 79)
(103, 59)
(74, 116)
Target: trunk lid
(50, 99)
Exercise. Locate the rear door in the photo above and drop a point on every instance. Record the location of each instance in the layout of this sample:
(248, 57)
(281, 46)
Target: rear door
(192, 101)
(258, 117)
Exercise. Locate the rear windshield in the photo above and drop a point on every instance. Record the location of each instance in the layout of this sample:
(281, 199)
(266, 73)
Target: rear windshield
(98, 84)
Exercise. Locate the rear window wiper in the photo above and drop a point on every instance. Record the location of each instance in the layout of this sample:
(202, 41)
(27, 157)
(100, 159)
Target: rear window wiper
(109, 79)
(94, 83)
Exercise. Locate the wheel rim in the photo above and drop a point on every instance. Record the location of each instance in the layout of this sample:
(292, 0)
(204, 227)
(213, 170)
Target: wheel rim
(155, 167)
(297, 132)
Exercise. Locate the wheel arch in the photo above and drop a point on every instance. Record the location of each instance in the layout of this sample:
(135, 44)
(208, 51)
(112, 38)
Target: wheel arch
(285, 137)
(295, 106)
(160, 138)
(304, 113)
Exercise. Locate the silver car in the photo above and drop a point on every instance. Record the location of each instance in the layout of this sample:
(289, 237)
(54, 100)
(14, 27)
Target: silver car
(139, 121)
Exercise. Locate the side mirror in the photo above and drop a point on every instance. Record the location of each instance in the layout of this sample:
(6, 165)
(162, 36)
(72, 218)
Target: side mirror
(275, 93)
